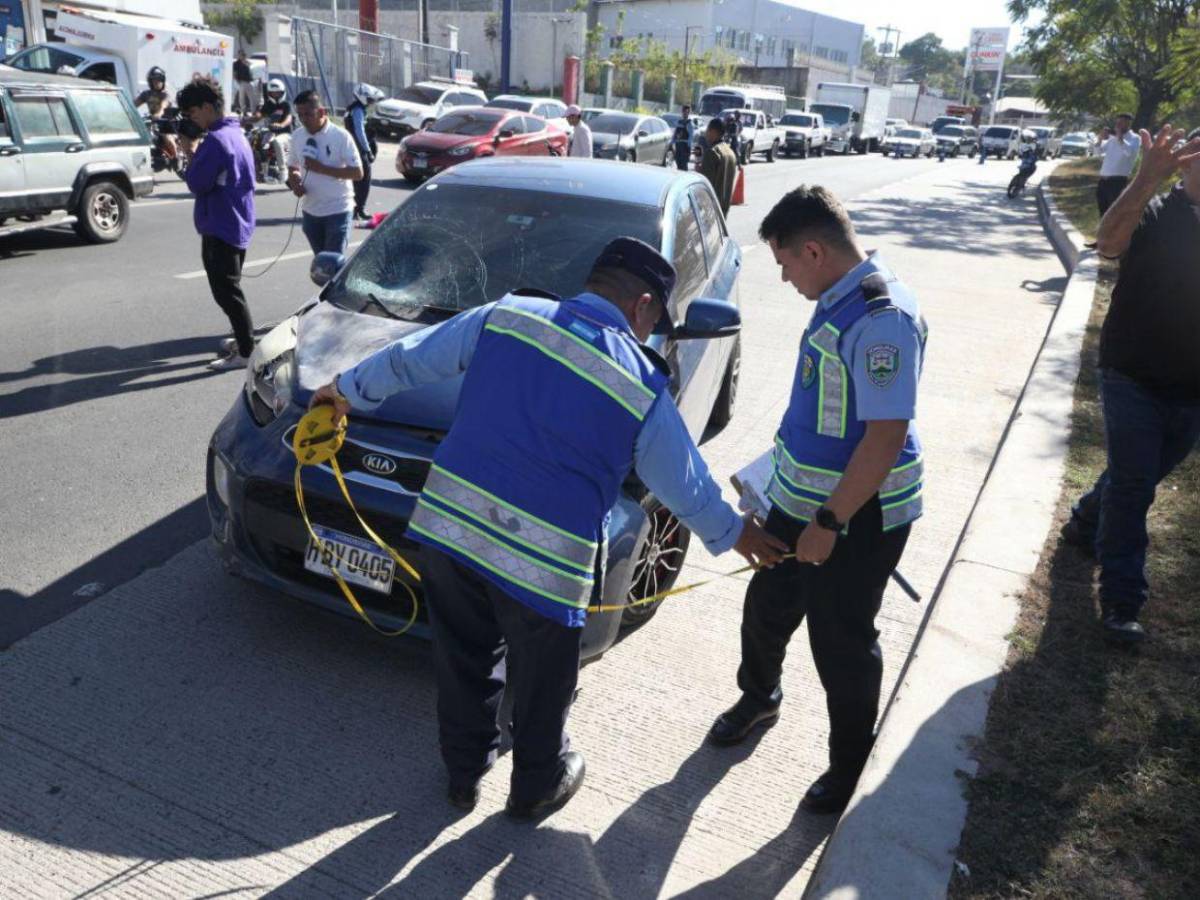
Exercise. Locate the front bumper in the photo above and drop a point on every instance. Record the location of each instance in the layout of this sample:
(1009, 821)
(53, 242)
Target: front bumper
(259, 534)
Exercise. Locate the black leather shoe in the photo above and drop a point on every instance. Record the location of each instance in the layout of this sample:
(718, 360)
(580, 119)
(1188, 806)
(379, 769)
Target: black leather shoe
(1121, 625)
(569, 781)
(733, 725)
(828, 794)
(1074, 535)
(464, 796)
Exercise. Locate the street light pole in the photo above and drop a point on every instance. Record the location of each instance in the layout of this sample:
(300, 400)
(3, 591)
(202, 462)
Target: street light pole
(687, 47)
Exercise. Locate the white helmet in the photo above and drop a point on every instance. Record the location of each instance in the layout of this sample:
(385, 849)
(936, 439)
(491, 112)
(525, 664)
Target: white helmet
(276, 86)
(367, 94)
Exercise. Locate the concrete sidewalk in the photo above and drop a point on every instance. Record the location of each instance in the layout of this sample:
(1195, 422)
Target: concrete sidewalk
(188, 734)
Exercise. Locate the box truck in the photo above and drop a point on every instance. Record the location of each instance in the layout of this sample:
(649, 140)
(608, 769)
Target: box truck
(120, 48)
(856, 115)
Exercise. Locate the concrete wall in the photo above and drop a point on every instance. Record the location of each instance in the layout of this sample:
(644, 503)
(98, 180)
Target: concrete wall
(810, 34)
(904, 104)
(541, 40)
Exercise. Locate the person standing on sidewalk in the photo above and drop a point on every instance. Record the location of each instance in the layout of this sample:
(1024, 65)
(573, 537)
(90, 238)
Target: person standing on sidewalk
(845, 489)
(221, 175)
(356, 123)
(243, 78)
(322, 164)
(719, 163)
(1119, 153)
(685, 133)
(1149, 369)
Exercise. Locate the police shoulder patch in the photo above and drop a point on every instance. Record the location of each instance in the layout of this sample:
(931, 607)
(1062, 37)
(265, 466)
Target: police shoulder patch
(809, 373)
(883, 364)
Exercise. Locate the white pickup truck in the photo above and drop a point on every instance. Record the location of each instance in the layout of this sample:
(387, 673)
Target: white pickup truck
(759, 135)
(803, 133)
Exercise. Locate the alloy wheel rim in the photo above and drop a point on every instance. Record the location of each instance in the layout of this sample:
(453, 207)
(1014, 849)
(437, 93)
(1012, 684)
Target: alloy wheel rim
(661, 558)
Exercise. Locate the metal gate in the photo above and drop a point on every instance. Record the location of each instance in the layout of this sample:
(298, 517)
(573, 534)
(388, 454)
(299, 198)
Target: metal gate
(333, 58)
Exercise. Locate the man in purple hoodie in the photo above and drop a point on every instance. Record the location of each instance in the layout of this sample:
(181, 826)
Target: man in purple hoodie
(221, 175)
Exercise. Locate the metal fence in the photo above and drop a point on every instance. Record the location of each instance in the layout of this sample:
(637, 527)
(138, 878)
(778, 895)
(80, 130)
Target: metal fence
(333, 58)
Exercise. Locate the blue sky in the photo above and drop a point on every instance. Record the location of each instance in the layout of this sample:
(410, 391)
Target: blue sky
(951, 20)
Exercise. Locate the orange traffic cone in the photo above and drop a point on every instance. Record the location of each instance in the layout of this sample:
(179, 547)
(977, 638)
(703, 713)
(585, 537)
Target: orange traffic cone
(739, 188)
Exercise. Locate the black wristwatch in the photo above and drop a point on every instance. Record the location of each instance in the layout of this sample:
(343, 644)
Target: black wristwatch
(826, 519)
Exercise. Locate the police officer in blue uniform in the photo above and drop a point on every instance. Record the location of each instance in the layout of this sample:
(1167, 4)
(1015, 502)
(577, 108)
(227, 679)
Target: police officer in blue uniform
(846, 485)
(558, 402)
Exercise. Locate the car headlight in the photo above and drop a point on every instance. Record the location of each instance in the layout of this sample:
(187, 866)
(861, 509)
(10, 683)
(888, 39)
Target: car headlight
(270, 373)
(221, 479)
(462, 151)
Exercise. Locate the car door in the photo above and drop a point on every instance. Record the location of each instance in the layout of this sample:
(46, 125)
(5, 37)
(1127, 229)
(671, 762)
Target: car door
(515, 145)
(12, 163)
(688, 358)
(112, 131)
(724, 264)
(536, 134)
(50, 145)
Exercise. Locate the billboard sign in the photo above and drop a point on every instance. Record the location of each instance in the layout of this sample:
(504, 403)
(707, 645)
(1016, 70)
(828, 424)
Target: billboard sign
(987, 48)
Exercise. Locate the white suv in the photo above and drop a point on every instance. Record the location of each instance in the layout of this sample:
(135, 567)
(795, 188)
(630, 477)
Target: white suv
(419, 104)
(1000, 141)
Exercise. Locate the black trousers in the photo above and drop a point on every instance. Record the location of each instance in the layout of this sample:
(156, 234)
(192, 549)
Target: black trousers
(483, 638)
(362, 187)
(840, 599)
(1108, 189)
(223, 265)
(683, 154)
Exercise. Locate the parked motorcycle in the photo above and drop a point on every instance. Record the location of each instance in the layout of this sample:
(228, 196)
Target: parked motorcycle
(1026, 169)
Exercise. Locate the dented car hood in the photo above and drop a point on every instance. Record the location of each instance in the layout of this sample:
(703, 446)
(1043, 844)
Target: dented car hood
(331, 340)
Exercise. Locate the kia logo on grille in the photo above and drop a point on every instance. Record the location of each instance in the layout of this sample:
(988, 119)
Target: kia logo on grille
(379, 464)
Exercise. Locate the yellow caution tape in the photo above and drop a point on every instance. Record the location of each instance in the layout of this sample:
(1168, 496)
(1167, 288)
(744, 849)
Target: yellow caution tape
(317, 440)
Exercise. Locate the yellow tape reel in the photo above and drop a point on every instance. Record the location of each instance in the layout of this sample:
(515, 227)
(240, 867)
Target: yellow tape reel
(317, 440)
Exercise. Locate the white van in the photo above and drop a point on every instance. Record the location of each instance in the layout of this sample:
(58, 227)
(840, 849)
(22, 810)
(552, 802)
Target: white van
(769, 98)
(1000, 141)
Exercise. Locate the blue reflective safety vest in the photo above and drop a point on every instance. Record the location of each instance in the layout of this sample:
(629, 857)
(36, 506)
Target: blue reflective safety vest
(521, 488)
(821, 430)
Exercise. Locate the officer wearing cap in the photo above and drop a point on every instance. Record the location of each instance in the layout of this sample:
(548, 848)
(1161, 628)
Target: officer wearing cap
(558, 402)
(845, 489)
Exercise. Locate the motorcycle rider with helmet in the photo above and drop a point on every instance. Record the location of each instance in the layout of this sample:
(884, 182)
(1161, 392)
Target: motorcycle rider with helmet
(1028, 156)
(275, 114)
(356, 124)
(158, 105)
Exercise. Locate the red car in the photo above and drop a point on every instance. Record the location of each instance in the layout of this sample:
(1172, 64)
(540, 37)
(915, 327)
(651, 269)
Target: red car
(473, 132)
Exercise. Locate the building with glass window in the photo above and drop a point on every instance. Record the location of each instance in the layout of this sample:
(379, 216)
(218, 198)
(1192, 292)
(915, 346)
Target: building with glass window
(763, 33)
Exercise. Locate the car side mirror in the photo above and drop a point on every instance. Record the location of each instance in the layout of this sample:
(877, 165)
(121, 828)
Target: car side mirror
(643, 134)
(503, 135)
(325, 266)
(708, 318)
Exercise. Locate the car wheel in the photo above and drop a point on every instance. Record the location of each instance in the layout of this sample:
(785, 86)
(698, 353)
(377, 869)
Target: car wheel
(722, 412)
(659, 561)
(103, 213)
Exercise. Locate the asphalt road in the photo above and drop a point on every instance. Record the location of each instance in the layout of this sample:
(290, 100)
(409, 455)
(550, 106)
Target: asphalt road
(106, 400)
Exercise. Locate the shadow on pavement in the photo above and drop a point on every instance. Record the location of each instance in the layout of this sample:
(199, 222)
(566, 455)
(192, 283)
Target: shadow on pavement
(107, 371)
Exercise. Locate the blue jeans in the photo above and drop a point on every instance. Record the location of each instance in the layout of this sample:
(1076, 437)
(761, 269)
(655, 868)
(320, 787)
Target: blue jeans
(1146, 438)
(327, 232)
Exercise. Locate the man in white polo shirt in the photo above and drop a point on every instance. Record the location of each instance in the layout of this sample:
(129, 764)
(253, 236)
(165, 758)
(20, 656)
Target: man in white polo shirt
(322, 162)
(1120, 152)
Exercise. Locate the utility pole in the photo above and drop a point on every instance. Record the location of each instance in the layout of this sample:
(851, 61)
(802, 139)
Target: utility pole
(888, 31)
(969, 66)
(687, 47)
(506, 13)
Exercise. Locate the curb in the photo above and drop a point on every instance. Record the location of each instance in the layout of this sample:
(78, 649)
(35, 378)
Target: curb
(900, 833)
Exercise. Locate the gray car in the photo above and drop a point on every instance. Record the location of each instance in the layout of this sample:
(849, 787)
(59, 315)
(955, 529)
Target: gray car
(628, 136)
(72, 152)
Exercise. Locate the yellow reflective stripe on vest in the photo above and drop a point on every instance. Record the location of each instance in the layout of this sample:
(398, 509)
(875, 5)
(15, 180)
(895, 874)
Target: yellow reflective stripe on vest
(794, 505)
(576, 354)
(516, 524)
(902, 478)
(820, 481)
(497, 557)
(831, 376)
(897, 514)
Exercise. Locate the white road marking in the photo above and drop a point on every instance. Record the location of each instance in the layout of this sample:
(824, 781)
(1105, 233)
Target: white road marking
(254, 263)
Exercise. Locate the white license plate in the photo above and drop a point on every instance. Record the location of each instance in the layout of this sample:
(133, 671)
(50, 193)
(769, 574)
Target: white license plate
(420, 163)
(359, 561)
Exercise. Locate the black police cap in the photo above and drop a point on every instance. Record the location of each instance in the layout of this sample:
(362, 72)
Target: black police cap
(644, 262)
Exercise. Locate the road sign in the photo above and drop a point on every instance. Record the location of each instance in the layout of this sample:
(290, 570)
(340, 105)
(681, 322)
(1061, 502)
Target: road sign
(987, 49)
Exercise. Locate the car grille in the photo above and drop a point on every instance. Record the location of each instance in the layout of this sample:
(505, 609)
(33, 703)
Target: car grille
(410, 473)
(273, 526)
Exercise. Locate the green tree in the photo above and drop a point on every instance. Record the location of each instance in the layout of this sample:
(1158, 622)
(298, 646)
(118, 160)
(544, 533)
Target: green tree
(1101, 56)
(243, 16)
(927, 60)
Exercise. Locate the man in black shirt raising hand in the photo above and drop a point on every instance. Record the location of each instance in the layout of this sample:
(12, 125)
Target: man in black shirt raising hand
(1149, 366)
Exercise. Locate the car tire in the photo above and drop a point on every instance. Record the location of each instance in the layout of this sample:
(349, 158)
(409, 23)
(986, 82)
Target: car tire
(657, 564)
(103, 213)
(722, 411)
